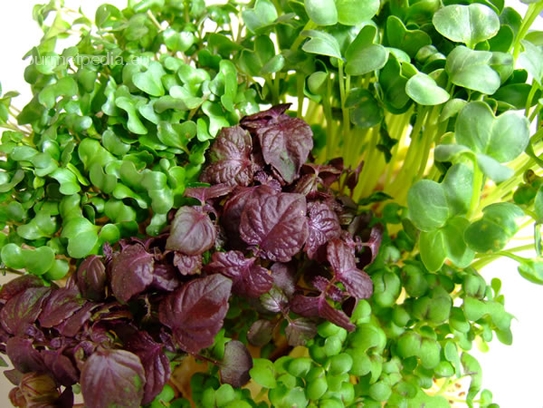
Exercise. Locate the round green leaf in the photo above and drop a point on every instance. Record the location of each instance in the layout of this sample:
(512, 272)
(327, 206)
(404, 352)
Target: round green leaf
(471, 69)
(322, 12)
(427, 204)
(468, 24)
(425, 91)
(354, 12)
(321, 43)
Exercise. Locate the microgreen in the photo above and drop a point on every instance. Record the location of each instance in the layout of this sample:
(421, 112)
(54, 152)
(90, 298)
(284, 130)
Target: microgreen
(194, 213)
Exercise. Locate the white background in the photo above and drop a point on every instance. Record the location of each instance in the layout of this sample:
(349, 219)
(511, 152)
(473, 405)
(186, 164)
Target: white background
(513, 373)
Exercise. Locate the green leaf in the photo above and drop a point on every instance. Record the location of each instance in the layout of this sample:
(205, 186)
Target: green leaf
(399, 36)
(493, 169)
(355, 12)
(531, 270)
(424, 90)
(502, 138)
(362, 55)
(433, 250)
(261, 16)
(473, 369)
(321, 43)
(82, 237)
(263, 372)
(458, 186)
(471, 69)
(68, 181)
(150, 80)
(530, 59)
(322, 12)
(499, 223)
(427, 204)
(178, 41)
(130, 106)
(469, 24)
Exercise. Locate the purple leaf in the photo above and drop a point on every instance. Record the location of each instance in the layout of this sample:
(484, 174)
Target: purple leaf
(284, 277)
(112, 378)
(21, 312)
(91, 278)
(323, 226)
(152, 357)
(195, 312)
(249, 278)
(265, 118)
(60, 305)
(187, 264)
(39, 390)
(286, 146)
(236, 364)
(71, 326)
(61, 366)
(230, 158)
(318, 306)
(18, 285)
(275, 300)
(330, 290)
(165, 277)
(276, 224)
(203, 194)
(299, 331)
(343, 262)
(131, 272)
(261, 332)
(233, 208)
(192, 232)
(24, 357)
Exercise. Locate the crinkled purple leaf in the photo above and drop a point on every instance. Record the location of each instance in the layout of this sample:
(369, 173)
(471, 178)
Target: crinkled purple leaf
(284, 277)
(286, 146)
(195, 312)
(330, 290)
(261, 332)
(299, 331)
(165, 277)
(131, 272)
(236, 364)
(24, 357)
(249, 278)
(72, 325)
(274, 300)
(230, 157)
(233, 208)
(92, 278)
(192, 232)
(20, 313)
(265, 118)
(153, 359)
(323, 226)
(276, 224)
(60, 305)
(112, 378)
(343, 261)
(61, 367)
(18, 285)
(318, 306)
(203, 194)
(187, 264)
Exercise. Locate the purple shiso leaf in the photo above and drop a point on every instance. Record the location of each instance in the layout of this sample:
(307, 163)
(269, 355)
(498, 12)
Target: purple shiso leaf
(274, 300)
(299, 331)
(284, 277)
(153, 359)
(61, 366)
(318, 306)
(19, 314)
(276, 224)
(131, 272)
(60, 305)
(343, 262)
(230, 158)
(203, 194)
(286, 146)
(72, 325)
(24, 357)
(236, 364)
(323, 226)
(165, 277)
(192, 232)
(91, 278)
(285, 142)
(249, 278)
(112, 378)
(187, 264)
(195, 312)
(261, 332)
(18, 285)
(233, 208)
